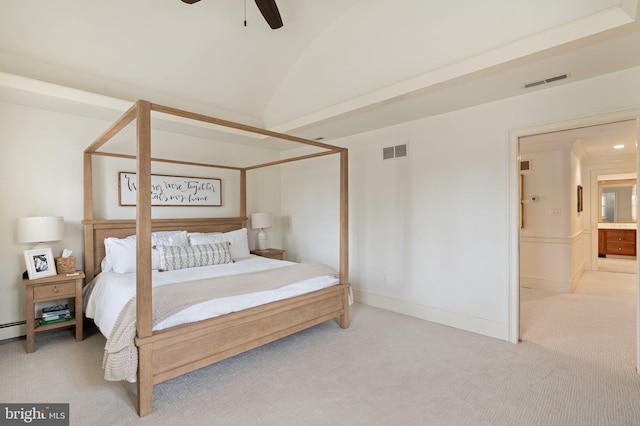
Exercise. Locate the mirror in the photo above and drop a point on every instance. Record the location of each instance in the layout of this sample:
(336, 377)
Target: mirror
(618, 200)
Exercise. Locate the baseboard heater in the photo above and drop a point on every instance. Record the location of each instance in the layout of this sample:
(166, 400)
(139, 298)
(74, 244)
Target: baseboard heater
(13, 324)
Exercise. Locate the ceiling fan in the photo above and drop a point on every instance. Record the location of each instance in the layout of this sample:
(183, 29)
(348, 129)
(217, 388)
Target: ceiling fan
(268, 8)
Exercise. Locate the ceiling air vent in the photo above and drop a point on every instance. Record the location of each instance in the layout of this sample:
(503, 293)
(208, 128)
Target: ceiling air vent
(546, 80)
(397, 151)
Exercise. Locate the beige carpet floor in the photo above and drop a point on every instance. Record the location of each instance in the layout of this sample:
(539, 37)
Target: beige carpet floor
(576, 366)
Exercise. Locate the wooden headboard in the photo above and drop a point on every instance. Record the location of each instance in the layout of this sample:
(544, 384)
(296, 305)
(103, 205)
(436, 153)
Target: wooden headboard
(95, 231)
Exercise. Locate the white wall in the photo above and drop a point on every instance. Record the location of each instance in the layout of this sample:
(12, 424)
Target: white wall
(549, 180)
(41, 170)
(38, 148)
(578, 235)
(552, 238)
(429, 234)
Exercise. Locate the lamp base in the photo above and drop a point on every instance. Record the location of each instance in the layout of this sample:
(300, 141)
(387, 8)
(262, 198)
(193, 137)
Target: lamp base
(262, 240)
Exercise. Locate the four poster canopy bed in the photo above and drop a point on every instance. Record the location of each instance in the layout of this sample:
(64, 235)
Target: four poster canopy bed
(148, 263)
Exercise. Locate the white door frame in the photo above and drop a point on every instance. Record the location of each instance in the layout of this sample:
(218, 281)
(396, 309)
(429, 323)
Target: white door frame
(513, 214)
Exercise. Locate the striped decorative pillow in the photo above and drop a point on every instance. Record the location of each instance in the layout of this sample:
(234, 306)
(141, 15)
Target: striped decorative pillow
(182, 257)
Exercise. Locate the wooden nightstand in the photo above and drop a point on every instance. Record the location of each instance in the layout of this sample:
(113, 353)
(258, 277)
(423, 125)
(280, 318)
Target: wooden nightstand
(271, 253)
(57, 287)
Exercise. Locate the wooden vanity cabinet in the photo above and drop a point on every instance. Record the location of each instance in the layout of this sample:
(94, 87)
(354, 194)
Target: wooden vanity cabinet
(602, 242)
(617, 241)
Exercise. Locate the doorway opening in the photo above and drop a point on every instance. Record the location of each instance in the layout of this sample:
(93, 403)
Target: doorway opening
(558, 222)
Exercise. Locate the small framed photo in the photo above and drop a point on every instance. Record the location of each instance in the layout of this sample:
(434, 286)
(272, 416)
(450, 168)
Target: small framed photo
(40, 263)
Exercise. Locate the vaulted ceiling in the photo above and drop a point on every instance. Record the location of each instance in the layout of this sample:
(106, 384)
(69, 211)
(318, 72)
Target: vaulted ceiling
(337, 67)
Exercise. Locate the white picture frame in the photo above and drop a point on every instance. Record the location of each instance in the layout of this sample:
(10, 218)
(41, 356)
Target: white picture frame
(40, 263)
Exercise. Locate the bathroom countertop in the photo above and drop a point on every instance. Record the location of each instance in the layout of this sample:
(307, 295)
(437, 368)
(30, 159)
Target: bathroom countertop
(607, 225)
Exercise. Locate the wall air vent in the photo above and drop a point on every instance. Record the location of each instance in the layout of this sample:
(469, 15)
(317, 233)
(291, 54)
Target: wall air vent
(401, 150)
(388, 153)
(397, 151)
(546, 80)
(525, 165)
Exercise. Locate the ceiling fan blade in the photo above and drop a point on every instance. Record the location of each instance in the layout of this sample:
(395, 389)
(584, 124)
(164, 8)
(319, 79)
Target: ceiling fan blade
(269, 10)
(190, 1)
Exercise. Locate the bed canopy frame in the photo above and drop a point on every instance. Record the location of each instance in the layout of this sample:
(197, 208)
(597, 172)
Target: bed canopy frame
(166, 354)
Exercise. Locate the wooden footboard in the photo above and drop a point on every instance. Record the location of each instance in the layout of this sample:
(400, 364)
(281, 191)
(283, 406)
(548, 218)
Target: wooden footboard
(185, 348)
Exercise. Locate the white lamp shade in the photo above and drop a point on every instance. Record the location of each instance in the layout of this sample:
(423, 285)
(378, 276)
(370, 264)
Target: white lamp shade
(261, 220)
(40, 229)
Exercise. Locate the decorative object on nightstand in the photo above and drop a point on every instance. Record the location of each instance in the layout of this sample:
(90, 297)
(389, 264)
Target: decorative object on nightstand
(67, 263)
(261, 221)
(271, 253)
(56, 314)
(39, 259)
(60, 286)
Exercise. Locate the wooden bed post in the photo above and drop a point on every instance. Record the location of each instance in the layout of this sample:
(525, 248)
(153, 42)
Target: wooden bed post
(88, 186)
(143, 220)
(344, 231)
(243, 195)
(144, 300)
(88, 215)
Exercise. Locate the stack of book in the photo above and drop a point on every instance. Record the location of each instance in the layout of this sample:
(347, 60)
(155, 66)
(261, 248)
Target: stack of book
(54, 314)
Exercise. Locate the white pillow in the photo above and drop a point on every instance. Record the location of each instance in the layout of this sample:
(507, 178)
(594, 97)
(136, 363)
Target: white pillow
(238, 239)
(169, 238)
(106, 265)
(120, 253)
(191, 234)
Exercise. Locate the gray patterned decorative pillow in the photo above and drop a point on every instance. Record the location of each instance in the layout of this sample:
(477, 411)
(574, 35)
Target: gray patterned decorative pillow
(182, 257)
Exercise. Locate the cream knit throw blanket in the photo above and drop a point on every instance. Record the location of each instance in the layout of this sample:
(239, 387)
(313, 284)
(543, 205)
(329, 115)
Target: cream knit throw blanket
(120, 360)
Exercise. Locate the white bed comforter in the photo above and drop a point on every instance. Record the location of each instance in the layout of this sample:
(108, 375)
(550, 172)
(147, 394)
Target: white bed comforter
(109, 292)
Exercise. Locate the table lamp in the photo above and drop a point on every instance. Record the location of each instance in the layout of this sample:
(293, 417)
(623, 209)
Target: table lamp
(40, 229)
(39, 260)
(261, 221)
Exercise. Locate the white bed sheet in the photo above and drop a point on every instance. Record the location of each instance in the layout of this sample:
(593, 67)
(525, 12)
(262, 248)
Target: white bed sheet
(109, 292)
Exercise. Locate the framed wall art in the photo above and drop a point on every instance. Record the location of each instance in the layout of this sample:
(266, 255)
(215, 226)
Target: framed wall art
(169, 190)
(580, 206)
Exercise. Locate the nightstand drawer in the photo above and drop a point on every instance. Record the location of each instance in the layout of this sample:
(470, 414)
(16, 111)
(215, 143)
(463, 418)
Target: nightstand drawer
(46, 292)
(271, 253)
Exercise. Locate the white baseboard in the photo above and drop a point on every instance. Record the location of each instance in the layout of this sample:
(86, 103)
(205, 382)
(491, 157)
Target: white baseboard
(576, 277)
(11, 332)
(466, 322)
